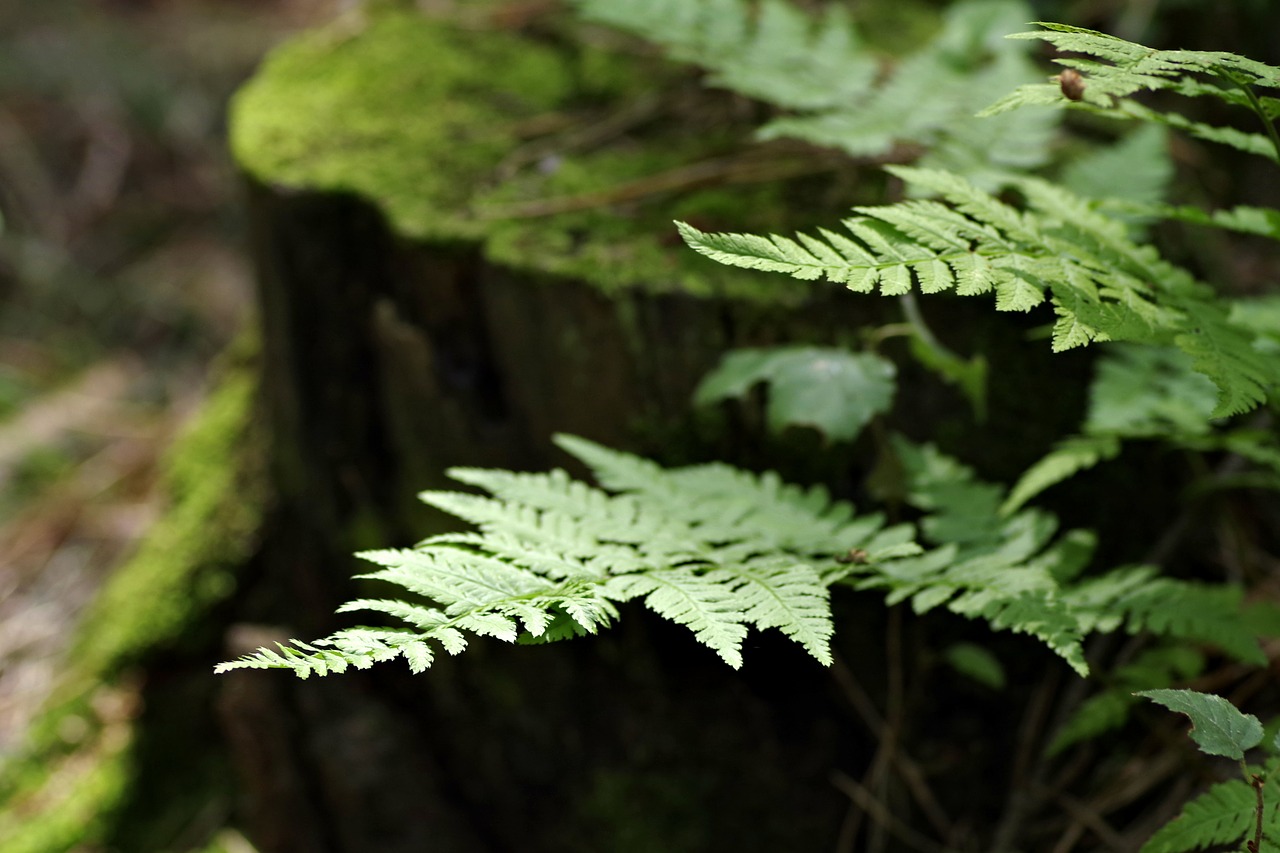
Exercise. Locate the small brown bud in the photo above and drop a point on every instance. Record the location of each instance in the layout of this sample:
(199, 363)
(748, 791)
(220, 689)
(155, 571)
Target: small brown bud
(1072, 83)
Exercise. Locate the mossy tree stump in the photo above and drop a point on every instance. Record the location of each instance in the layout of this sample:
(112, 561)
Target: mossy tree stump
(457, 260)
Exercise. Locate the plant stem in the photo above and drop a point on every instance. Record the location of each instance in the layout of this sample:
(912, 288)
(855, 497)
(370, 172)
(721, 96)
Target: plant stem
(1256, 106)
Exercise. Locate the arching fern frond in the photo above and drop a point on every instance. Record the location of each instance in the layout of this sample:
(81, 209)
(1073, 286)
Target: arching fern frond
(1118, 69)
(1058, 248)
(710, 547)
(1009, 572)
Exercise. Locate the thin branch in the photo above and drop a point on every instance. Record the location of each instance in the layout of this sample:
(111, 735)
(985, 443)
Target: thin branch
(1027, 777)
(882, 816)
(904, 764)
(1256, 106)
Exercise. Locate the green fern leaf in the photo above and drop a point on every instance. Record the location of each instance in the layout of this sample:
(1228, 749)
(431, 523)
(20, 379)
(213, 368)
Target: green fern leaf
(705, 603)
(710, 547)
(1224, 814)
(784, 57)
(1262, 221)
(1148, 392)
(1102, 285)
(726, 504)
(1136, 169)
(839, 91)
(1137, 600)
(1009, 596)
(790, 597)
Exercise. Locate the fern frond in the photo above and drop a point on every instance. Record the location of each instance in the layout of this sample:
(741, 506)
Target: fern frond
(726, 504)
(1222, 815)
(784, 56)
(1007, 593)
(1136, 599)
(1007, 571)
(844, 96)
(479, 595)
(1262, 221)
(703, 602)
(788, 596)
(710, 547)
(1118, 69)
(1061, 247)
(1136, 169)
(1148, 392)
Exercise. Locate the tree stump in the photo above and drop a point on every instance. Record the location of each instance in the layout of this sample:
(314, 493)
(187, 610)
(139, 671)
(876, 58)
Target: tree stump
(464, 247)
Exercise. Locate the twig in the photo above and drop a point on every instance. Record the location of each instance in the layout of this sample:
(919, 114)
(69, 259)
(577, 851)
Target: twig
(1256, 844)
(904, 764)
(583, 138)
(1089, 817)
(882, 816)
(875, 777)
(1024, 784)
(714, 172)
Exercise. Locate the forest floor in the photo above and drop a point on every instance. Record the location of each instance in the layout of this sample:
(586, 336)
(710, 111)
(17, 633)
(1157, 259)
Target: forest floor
(122, 275)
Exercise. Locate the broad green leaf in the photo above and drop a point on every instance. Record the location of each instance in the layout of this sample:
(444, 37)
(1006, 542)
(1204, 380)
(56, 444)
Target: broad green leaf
(832, 390)
(1217, 726)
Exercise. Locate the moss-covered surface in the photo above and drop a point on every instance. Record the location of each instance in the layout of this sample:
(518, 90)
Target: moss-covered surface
(422, 118)
(66, 790)
(397, 110)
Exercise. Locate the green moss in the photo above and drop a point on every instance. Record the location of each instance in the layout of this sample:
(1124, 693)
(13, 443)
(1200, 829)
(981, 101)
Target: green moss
(72, 804)
(218, 494)
(633, 243)
(419, 117)
(64, 790)
(404, 112)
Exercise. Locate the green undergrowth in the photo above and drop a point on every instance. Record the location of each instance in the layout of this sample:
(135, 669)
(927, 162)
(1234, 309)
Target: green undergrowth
(62, 791)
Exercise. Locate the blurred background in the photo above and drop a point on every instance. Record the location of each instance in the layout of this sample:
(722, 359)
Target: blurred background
(122, 275)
